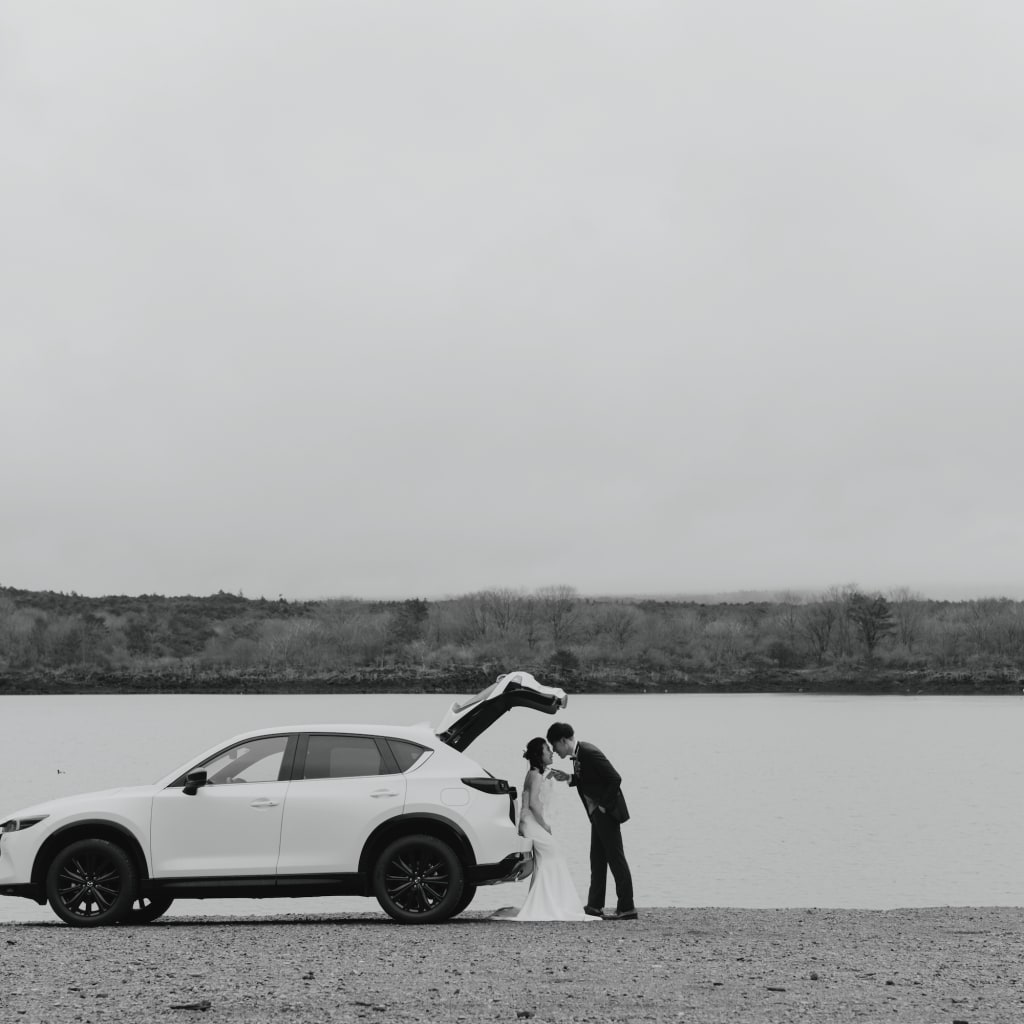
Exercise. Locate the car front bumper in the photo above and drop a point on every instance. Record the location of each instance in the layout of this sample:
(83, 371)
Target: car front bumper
(512, 868)
(16, 856)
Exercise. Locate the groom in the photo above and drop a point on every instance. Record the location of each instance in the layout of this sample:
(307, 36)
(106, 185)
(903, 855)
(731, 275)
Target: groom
(598, 784)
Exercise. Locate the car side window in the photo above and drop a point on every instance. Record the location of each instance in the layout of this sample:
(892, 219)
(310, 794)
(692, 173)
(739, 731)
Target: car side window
(342, 757)
(406, 753)
(256, 760)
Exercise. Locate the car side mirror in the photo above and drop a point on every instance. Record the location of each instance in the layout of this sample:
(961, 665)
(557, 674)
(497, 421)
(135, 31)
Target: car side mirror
(193, 781)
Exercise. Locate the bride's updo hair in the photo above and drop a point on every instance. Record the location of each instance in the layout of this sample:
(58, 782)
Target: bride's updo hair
(534, 753)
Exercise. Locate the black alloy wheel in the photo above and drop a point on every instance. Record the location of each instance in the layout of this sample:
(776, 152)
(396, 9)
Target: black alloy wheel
(147, 908)
(91, 882)
(418, 880)
(468, 892)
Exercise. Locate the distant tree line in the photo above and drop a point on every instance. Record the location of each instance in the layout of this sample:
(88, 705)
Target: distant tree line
(595, 643)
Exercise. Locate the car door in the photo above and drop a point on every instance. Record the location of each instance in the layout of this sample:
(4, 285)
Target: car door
(344, 785)
(231, 826)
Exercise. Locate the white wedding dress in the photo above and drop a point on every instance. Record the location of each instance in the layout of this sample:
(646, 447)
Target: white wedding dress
(552, 895)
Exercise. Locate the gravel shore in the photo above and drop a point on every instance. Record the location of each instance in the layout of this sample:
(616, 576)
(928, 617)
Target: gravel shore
(693, 965)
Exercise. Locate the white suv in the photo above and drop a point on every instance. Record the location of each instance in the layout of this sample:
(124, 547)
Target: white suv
(396, 812)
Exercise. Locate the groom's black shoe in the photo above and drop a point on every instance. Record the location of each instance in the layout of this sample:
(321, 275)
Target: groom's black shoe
(593, 911)
(622, 915)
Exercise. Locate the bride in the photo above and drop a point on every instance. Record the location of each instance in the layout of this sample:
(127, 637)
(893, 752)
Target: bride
(552, 895)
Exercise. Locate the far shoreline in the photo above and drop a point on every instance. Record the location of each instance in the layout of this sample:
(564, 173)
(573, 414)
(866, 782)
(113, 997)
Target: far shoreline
(866, 681)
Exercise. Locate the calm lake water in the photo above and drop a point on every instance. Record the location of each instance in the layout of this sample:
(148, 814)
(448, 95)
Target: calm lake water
(738, 800)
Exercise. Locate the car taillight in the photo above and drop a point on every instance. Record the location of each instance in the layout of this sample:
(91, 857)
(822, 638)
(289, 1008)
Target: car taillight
(488, 785)
(499, 787)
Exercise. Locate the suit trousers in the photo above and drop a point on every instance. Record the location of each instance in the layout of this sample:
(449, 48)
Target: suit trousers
(606, 852)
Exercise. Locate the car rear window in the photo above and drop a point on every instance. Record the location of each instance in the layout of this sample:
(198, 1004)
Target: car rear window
(342, 757)
(406, 753)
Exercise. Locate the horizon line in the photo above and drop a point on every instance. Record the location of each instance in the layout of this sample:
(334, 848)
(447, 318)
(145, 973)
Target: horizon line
(966, 592)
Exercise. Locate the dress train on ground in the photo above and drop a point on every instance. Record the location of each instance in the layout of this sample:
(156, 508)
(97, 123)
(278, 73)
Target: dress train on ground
(552, 895)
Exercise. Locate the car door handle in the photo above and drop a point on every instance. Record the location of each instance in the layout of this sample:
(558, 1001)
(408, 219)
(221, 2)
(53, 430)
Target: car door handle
(378, 793)
(263, 802)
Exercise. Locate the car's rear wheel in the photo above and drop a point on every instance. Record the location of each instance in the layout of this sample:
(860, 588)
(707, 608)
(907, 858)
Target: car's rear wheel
(468, 892)
(91, 882)
(418, 880)
(147, 908)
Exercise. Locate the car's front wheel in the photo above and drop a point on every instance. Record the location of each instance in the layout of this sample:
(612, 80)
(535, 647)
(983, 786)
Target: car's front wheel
(418, 880)
(91, 882)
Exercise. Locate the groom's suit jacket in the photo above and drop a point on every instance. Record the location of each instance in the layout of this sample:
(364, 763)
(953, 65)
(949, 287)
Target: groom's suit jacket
(595, 778)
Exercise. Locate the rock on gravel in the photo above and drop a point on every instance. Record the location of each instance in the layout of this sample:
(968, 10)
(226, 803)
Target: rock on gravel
(679, 965)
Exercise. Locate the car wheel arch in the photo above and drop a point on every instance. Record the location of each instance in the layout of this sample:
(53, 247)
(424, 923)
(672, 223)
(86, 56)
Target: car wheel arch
(416, 824)
(117, 834)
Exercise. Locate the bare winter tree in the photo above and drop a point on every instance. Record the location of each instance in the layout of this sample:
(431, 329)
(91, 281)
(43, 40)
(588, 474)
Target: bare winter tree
(559, 609)
(787, 618)
(840, 598)
(908, 615)
(817, 625)
(620, 623)
(871, 618)
(502, 609)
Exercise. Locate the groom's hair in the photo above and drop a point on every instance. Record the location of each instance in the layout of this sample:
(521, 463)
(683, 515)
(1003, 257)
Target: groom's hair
(559, 731)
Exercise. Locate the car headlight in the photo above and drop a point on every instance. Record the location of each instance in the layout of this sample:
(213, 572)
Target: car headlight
(17, 824)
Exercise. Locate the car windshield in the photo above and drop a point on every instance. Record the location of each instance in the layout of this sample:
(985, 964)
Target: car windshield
(257, 760)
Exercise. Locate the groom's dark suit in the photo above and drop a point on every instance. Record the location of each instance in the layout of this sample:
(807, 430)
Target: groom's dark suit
(599, 788)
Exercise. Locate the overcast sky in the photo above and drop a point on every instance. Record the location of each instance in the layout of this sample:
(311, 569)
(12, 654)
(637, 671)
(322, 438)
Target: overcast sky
(388, 299)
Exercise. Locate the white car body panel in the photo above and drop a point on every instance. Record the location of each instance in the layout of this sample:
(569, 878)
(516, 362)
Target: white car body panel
(222, 830)
(327, 821)
(127, 807)
(484, 819)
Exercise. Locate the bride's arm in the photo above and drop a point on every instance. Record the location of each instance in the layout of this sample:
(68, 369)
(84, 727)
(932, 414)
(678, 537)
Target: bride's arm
(525, 802)
(531, 801)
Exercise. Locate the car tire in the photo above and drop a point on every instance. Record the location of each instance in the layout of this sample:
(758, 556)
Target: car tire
(418, 880)
(91, 882)
(468, 892)
(147, 908)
